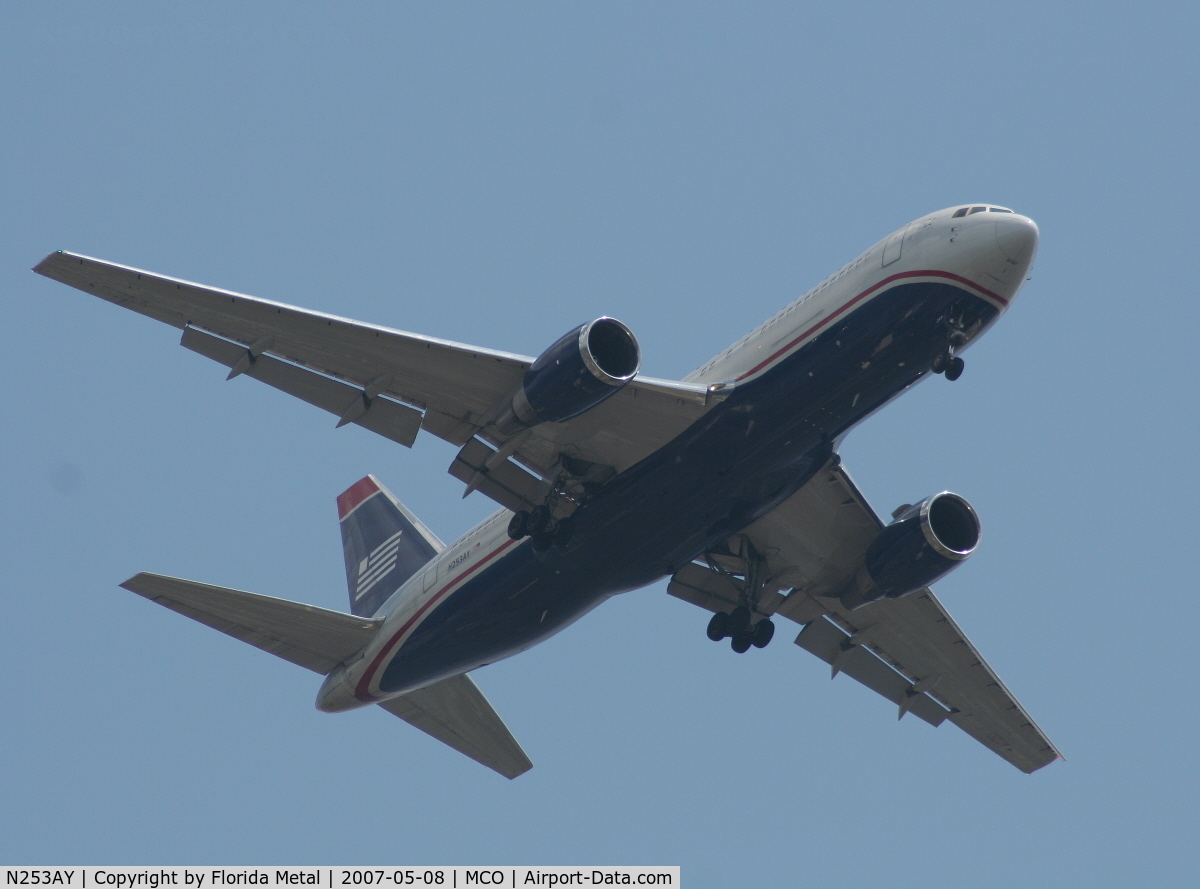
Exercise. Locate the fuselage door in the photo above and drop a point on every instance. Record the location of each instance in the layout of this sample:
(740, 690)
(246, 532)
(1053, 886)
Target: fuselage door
(891, 247)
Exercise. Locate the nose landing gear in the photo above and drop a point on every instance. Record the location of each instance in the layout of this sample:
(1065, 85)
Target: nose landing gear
(949, 364)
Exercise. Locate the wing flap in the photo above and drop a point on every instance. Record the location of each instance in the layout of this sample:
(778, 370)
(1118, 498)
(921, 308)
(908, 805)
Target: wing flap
(508, 484)
(456, 712)
(311, 637)
(920, 638)
(834, 647)
(350, 403)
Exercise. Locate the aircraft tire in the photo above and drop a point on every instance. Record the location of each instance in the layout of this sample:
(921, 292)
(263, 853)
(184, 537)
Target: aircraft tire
(763, 631)
(741, 642)
(518, 525)
(540, 522)
(940, 361)
(718, 626)
(739, 620)
(955, 368)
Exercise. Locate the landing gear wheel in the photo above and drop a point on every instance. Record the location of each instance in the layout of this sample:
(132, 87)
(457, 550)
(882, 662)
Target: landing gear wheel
(718, 626)
(941, 361)
(742, 641)
(518, 525)
(954, 369)
(540, 522)
(739, 620)
(764, 630)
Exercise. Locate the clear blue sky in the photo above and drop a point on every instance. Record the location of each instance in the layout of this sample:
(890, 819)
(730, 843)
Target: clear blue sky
(496, 174)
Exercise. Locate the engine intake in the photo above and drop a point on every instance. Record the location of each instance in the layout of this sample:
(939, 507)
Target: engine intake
(582, 369)
(922, 545)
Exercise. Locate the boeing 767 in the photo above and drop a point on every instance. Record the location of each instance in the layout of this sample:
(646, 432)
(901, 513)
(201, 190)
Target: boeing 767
(728, 482)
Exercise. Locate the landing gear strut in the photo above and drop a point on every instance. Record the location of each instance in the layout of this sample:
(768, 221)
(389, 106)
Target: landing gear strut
(739, 625)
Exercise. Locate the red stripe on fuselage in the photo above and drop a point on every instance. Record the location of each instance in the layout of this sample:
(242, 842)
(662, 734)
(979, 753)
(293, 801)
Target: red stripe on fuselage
(361, 689)
(918, 274)
(350, 498)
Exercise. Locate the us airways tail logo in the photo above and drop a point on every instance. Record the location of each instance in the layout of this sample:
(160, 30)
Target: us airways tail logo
(376, 566)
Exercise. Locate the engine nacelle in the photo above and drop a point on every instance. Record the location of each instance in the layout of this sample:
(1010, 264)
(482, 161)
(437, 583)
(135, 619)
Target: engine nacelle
(584, 367)
(922, 545)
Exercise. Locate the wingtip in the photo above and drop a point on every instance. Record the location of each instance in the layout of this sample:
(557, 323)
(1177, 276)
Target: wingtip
(42, 268)
(140, 582)
(133, 583)
(512, 774)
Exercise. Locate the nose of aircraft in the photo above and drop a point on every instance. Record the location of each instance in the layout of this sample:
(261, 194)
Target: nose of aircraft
(1017, 238)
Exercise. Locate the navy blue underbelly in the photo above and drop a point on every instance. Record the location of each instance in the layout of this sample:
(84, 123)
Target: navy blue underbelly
(739, 461)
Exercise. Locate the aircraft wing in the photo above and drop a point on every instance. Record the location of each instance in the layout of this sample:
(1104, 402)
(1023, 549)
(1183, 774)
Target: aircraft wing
(389, 381)
(909, 650)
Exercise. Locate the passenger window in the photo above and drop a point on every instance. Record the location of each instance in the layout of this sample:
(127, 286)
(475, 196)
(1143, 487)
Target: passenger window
(962, 211)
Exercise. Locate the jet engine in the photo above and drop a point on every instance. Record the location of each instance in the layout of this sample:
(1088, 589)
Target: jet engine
(922, 545)
(584, 367)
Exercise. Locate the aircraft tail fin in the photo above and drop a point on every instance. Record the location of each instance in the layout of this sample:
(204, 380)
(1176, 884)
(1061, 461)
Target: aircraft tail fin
(385, 544)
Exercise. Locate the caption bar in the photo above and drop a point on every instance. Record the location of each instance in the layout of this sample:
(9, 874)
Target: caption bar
(336, 877)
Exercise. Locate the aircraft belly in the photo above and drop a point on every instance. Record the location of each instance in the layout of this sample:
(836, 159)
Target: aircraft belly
(732, 466)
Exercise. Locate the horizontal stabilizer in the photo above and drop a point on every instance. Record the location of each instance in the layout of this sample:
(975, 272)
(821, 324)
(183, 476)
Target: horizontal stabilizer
(456, 713)
(311, 637)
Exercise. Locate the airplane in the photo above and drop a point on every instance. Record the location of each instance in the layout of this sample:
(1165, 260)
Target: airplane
(728, 482)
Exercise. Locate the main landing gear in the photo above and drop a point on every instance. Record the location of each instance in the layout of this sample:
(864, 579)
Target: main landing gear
(542, 526)
(746, 571)
(737, 625)
(949, 364)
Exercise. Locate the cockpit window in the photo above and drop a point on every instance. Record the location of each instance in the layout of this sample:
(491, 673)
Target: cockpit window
(977, 210)
(961, 211)
(998, 210)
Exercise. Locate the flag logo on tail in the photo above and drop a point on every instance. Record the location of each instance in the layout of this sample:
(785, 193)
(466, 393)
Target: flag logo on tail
(376, 566)
(384, 543)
